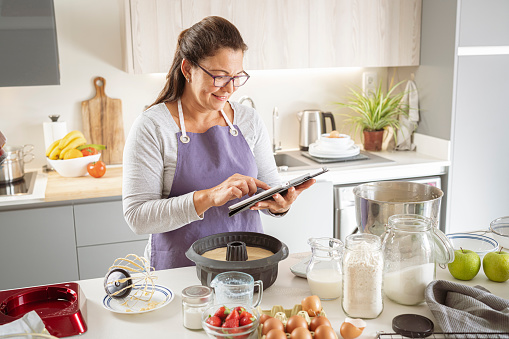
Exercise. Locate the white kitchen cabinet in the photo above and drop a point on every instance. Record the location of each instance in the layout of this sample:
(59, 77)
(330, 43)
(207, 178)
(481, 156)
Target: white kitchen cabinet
(281, 34)
(364, 33)
(102, 235)
(276, 32)
(37, 247)
(151, 32)
(311, 216)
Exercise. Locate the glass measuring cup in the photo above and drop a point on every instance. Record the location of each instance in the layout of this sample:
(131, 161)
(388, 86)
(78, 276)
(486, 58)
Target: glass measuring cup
(236, 287)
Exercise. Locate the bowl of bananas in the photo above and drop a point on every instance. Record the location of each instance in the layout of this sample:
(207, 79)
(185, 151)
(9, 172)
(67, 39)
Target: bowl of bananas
(70, 155)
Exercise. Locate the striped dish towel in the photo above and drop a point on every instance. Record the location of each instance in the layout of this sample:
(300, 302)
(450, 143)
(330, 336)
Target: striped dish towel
(460, 308)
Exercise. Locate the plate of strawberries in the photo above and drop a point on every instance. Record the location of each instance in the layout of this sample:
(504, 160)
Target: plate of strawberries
(230, 321)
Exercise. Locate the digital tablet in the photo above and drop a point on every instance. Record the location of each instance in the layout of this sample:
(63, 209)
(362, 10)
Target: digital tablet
(264, 195)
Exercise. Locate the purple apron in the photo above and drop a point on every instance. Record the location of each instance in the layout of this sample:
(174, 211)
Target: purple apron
(205, 160)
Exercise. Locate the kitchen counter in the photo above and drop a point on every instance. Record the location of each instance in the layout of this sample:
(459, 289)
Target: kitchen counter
(287, 291)
(60, 189)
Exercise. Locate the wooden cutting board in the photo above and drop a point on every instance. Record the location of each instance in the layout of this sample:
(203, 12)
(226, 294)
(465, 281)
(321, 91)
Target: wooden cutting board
(103, 123)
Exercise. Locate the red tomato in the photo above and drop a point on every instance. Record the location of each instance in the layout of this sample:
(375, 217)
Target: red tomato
(89, 151)
(96, 169)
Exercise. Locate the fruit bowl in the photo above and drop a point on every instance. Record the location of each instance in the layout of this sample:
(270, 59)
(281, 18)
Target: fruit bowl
(480, 244)
(76, 167)
(244, 332)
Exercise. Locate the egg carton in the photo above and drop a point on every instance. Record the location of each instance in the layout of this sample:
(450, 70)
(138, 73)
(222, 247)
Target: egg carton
(284, 314)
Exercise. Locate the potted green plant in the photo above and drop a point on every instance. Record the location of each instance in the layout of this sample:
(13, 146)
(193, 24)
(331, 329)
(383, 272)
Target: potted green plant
(373, 113)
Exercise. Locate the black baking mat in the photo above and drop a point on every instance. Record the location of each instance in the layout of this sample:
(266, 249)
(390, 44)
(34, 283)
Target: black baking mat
(359, 156)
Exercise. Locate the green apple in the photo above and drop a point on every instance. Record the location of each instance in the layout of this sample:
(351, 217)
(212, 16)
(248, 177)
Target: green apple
(496, 266)
(466, 264)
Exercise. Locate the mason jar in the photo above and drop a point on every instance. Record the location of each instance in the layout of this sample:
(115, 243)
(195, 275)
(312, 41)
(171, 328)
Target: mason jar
(363, 265)
(412, 247)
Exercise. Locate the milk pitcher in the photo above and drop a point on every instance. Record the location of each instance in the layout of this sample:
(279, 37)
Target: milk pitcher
(412, 247)
(236, 288)
(324, 269)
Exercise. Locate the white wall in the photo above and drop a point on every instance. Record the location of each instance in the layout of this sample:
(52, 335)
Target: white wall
(89, 41)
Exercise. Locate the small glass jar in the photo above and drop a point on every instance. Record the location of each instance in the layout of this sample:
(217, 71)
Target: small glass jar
(411, 247)
(324, 269)
(195, 299)
(363, 266)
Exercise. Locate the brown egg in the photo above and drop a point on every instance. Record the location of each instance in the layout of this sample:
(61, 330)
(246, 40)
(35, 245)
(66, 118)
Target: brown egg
(349, 331)
(318, 321)
(325, 332)
(272, 323)
(295, 321)
(301, 333)
(312, 305)
(276, 334)
(264, 317)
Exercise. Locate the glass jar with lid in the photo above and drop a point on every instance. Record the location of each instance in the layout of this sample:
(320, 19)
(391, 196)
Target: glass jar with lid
(195, 299)
(363, 265)
(412, 246)
(324, 269)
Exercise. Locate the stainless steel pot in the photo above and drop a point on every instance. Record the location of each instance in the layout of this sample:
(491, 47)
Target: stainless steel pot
(13, 167)
(376, 202)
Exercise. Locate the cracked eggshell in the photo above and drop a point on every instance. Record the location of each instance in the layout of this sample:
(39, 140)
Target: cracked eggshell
(352, 328)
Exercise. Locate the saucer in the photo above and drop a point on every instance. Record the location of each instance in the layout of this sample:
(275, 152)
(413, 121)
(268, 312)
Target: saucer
(316, 151)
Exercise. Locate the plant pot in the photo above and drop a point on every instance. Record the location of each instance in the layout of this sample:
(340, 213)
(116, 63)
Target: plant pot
(373, 140)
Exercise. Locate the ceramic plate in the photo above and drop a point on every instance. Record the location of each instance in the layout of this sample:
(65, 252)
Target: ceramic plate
(162, 297)
(474, 242)
(315, 151)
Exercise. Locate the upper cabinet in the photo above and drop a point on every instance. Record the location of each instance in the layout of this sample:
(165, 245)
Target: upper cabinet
(364, 33)
(282, 34)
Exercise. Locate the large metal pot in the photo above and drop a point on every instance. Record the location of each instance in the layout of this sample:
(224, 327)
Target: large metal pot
(13, 167)
(375, 202)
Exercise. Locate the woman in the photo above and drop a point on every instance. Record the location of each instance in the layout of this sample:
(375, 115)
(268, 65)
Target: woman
(193, 153)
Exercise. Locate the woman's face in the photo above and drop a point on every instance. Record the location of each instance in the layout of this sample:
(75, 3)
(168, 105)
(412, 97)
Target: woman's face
(226, 62)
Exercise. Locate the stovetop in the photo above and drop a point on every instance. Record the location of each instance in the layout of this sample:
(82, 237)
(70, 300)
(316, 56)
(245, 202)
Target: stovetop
(19, 187)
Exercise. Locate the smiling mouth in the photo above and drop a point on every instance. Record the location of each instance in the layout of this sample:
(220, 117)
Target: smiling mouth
(221, 97)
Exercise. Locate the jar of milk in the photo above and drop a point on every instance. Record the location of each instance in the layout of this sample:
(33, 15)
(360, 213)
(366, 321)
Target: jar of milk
(324, 269)
(412, 247)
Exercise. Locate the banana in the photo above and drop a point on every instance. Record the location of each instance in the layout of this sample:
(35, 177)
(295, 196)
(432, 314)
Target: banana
(68, 138)
(54, 153)
(52, 146)
(73, 144)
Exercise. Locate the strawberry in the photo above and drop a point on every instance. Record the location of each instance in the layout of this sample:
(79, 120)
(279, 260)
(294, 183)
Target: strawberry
(231, 323)
(233, 315)
(245, 314)
(222, 312)
(239, 309)
(246, 320)
(214, 320)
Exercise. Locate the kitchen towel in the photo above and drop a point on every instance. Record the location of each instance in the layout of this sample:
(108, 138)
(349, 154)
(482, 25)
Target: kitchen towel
(461, 308)
(29, 323)
(408, 124)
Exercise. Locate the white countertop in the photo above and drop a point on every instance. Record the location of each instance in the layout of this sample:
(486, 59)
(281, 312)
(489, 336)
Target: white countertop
(287, 291)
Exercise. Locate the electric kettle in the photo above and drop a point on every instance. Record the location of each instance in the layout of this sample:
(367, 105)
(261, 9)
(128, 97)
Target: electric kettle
(312, 125)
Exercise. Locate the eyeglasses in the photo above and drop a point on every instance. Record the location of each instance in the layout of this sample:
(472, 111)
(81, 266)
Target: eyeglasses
(223, 80)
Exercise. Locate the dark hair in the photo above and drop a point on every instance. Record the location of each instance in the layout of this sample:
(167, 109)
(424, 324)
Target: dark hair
(199, 41)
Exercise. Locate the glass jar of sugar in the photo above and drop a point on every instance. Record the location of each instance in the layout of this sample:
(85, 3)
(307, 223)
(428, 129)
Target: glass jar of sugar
(195, 299)
(324, 269)
(411, 247)
(363, 265)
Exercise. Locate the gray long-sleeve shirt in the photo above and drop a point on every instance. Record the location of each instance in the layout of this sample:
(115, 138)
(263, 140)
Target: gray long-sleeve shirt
(150, 158)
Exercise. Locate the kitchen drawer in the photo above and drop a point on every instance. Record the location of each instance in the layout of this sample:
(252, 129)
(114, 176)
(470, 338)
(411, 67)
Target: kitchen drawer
(37, 247)
(102, 223)
(94, 261)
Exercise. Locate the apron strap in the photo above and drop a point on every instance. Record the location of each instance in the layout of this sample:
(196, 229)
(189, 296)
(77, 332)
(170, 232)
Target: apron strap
(233, 130)
(184, 138)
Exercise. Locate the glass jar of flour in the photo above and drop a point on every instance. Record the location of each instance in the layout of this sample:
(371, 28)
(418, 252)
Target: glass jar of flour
(411, 247)
(363, 265)
(324, 269)
(195, 299)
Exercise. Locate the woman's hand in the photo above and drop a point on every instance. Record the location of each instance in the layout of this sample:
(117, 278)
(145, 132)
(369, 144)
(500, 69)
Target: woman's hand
(234, 187)
(279, 203)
